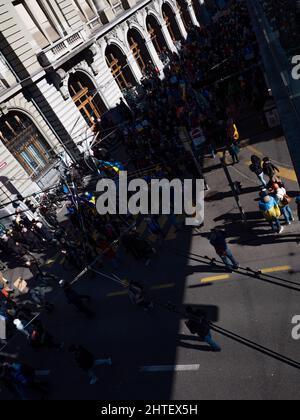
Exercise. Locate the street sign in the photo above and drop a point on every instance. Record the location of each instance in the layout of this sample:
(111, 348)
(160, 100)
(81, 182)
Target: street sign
(197, 137)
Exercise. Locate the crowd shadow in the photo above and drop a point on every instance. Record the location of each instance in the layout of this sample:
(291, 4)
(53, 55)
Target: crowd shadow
(217, 196)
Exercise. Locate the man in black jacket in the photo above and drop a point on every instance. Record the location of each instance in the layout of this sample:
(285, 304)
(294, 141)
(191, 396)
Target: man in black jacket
(197, 323)
(256, 167)
(269, 169)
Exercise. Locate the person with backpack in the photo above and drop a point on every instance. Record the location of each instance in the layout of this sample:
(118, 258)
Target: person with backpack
(284, 201)
(256, 167)
(197, 323)
(271, 212)
(269, 168)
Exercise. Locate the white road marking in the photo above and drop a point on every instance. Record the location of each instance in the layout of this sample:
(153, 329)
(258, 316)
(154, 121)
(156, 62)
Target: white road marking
(169, 368)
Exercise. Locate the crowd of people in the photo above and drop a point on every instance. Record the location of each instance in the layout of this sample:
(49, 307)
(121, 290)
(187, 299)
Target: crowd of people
(284, 17)
(204, 86)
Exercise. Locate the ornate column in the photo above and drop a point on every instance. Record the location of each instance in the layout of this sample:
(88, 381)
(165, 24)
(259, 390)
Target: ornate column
(180, 24)
(153, 54)
(168, 38)
(192, 13)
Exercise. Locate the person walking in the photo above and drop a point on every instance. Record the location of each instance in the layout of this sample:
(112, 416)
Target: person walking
(86, 361)
(234, 151)
(271, 211)
(40, 337)
(137, 296)
(77, 299)
(284, 201)
(218, 241)
(197, 323)
(256, 167)
(269, 168)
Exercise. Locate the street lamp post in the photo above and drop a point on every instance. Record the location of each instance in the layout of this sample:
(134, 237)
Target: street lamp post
(234, 191)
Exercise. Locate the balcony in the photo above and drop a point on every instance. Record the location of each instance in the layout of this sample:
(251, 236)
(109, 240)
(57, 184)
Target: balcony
(62, 47)
(116, 12)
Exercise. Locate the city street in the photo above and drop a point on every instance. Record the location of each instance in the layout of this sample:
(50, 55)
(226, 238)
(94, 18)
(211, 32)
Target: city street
(154, 357)
(98, 302)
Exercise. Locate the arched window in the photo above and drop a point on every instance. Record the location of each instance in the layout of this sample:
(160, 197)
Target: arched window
(184, 13)
(20, 135)
(156, 34)
(171, 23)
(139, 49)
(86, 98)
(119, 67)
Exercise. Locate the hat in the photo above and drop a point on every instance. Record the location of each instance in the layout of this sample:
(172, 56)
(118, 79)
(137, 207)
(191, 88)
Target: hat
(267, 199)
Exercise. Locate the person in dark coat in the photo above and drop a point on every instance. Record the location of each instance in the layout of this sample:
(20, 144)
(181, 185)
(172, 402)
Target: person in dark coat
(77, 299)
(269, 168)
(218, 241)
(256, 167)
(197, 323)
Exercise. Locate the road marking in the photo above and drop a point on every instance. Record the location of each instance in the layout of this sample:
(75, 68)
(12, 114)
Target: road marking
(215, 278)
(276, 269)
(163, 286)
(169, 368)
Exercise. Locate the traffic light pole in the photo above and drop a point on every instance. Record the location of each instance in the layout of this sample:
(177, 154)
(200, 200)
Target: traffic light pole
(234, 191)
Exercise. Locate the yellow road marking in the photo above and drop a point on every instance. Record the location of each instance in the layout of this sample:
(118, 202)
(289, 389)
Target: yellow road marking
(163, 286)
(215, 278)
(276, 269)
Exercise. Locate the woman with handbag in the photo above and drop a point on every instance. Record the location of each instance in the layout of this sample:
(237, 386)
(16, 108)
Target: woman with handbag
(284, 201)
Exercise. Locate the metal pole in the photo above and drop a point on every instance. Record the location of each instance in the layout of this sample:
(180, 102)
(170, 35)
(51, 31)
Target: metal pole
(235, 194)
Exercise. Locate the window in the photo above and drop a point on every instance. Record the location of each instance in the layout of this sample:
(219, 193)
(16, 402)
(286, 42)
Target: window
(86, 10)
(154, 38)
(137, 54)
(116, 70)
(169, 26)
(19, 134)
(38, 24)
(88, 102)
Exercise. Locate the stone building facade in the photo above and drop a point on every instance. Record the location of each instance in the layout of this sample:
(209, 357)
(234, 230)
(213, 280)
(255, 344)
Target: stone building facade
(65, 63)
